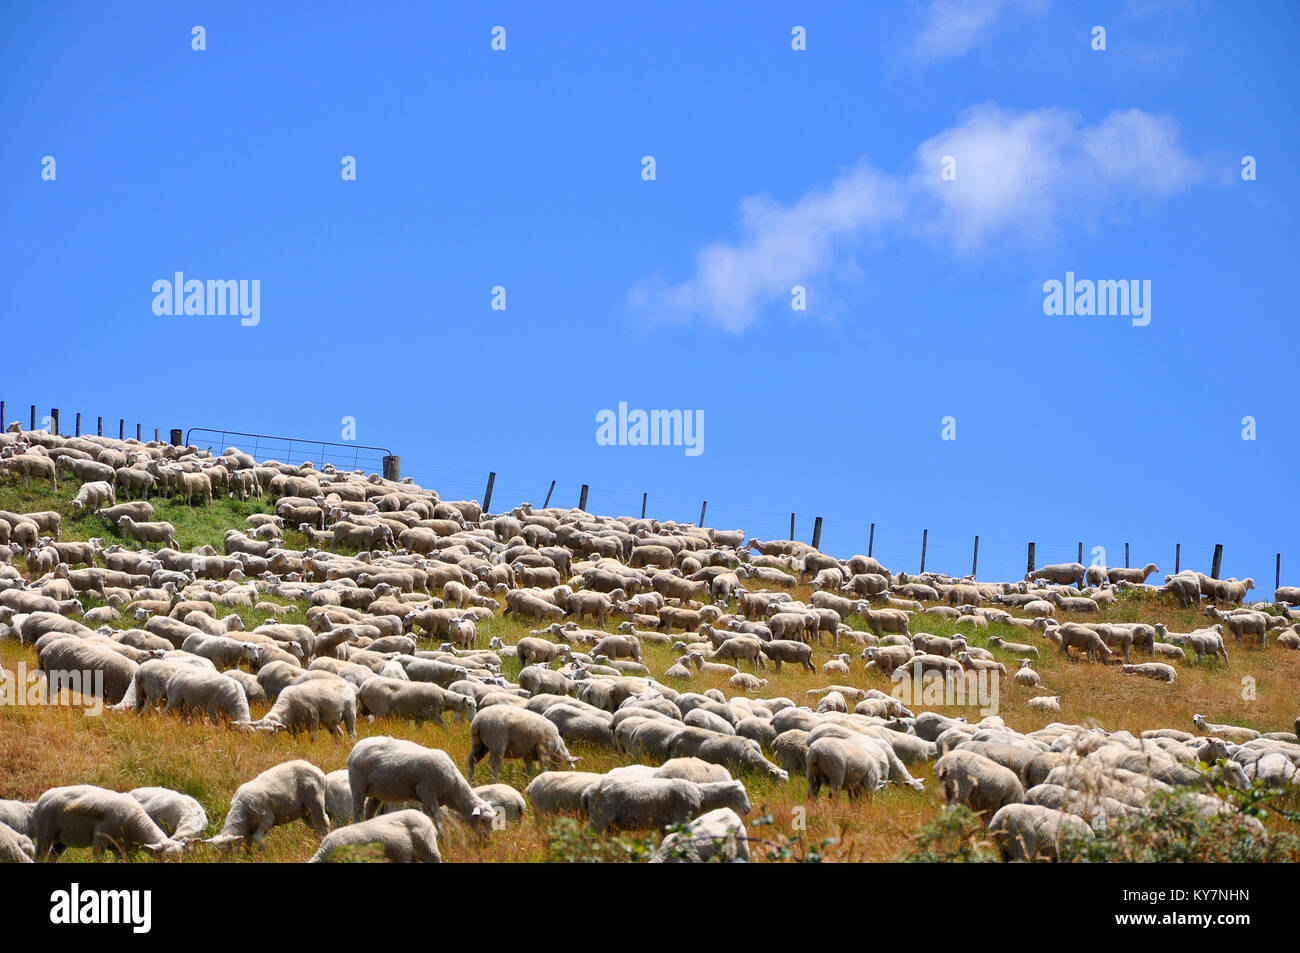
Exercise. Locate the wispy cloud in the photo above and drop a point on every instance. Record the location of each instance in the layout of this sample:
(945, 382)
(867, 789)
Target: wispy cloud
(952, 28)
(1016, 172)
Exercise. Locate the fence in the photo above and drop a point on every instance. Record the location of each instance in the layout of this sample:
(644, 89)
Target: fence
(342, 456)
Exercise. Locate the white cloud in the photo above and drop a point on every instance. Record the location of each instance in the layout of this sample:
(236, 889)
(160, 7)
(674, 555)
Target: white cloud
(952, 28)
(1020, 176)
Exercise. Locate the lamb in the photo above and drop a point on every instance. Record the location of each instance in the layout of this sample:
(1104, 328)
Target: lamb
(881, 621)
(841, 765)
(179, 815)
(504, 731)
(1232, 733)
(1032, 832)
(838, 665)
(1015, 648)
(83, 815)
(655, 803)
(1044, 703)
(508, 803)
(716, 835)
(1202, 641)
(779, 651)
(740, 647)
(93, 495)
(311, 704)
(1025, 675)
(1135, 576)
(560, 792)
(887, 658)
(383, 769)
(15, 847)
(160, 532)
(1060, 573)
(279, 795)
(421, 701)
(190, 688)
(1156, 670)
(403, 837)
(1074, 635)
(1168, 651)
(984, 786)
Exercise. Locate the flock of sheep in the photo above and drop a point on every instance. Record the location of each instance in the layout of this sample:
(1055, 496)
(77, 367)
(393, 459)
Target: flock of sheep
(392, 632)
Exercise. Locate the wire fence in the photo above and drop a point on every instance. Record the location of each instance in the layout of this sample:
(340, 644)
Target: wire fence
(342, 456)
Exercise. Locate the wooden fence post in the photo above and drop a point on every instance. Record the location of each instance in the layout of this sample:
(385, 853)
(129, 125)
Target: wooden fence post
(975, 558)
(1126, 555)
(792, 526)
(1218, 560)
(121, 428)
(1080, 559)
(703, 506)
(54, 421)
(871, 540)
(1277, 575)
(644, 496)
(137, 431)
(582, 500)
(817, 533)
(1178, 554)
(78, 433)
(925, 536)
(99, 427)
(548, 495)
(33, 426)
(487, 494)
(2, 416)
(1031, 560)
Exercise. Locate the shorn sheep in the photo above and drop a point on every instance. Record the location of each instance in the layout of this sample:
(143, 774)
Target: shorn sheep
(285, 793)
(383, 769)
(403, 837)
(504, 731)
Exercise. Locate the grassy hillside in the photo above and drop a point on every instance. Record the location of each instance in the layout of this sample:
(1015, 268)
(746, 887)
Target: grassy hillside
(41, 748)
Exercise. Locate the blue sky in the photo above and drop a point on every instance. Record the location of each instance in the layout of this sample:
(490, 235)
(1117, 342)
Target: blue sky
(774, 167)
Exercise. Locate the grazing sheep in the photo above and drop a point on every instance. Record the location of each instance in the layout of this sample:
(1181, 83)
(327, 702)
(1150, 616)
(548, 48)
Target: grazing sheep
(15, 848)
(655, 803)
(17, 815)
(404, 837)
(1033, 832)
(1203, 641)
(383, 769)
(310, 705)
(1156, 670)
(503, 731)
(560, 792)
(984, 786)
(279, 795)
(841, 765)
(1062, 574)
(83, 815)
(179, 815)
(1044, 703)
(1232, 733)
(779, 651)
(159, 532)
(420, 701)
(717, 835)
(93, 495)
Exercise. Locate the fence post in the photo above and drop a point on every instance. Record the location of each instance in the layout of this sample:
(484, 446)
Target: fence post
(78, 433)
(176, 437)
(1080, 559)
(137, 431)
(99, 426)
(121, 428)
(925, 536)
(33, 426)
(817, 533)
(643, 499)
(582, 501)
(792, 526)
(1218, 560)
(1126, 555)
(1178, 553)
(871, 540)
(975, 558)
(703, 506)
(155, 434)
(487, 494)
(54, 420)
(1030, 569)
(1277, 575)
(2, 416)
(548, 495)
(392, 468)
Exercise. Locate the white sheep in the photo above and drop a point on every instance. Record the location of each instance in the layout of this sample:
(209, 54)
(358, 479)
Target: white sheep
(980, 783)
(383, 769)
(180, 815)
(1025, 675)
(279, 795)
(15, 847)
(1033, 832)
(83, 815)
(310, 705)
(655, 803)
(717, 835)
(504, 731)
(403, 837)
(1044, 703)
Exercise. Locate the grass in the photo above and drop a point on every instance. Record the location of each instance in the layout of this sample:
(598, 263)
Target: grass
(42, 748)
